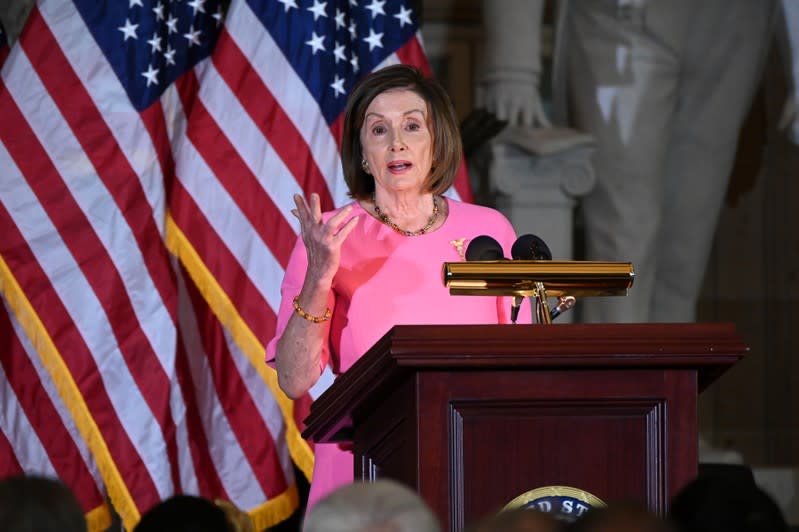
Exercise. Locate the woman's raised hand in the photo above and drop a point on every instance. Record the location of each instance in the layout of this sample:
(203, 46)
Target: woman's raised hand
(322, 240)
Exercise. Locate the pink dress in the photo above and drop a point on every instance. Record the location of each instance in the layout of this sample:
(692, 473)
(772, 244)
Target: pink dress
(386, 279)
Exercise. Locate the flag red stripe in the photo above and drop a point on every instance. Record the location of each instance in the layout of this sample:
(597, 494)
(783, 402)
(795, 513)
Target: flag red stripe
(412, 53)
(337, 128)
(302, 407)
(232, 172)
(255, 440)
(99, 145)
(76, 355)
(462, 185)
(46, 421)
(253, 308)
(269, 116)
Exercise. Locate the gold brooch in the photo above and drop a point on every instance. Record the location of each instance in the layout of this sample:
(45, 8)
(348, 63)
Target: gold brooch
(458, 245)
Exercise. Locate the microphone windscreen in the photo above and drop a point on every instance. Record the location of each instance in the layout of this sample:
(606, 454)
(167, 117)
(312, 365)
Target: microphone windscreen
(530, 247)
(484, 247)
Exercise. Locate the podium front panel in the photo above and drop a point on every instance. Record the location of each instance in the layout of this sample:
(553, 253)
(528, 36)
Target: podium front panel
(496, 435)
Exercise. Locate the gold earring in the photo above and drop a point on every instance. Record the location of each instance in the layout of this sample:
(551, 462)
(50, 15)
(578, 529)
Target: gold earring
(365, 165)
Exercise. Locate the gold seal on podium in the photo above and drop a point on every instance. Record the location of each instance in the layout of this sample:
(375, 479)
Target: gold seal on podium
(564, 502)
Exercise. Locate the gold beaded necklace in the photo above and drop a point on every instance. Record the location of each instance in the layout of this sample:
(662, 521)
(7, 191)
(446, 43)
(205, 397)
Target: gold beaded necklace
(383, 218)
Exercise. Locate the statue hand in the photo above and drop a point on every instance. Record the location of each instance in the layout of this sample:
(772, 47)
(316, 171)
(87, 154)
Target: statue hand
(515, 101)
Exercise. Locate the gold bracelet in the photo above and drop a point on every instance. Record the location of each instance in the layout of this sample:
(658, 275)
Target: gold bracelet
(304, 315)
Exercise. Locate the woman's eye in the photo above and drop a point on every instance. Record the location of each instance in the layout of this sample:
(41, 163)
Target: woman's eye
(413, 126)
(378, 130)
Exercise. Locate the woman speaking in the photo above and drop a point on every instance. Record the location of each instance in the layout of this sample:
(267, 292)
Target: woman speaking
(361, 269)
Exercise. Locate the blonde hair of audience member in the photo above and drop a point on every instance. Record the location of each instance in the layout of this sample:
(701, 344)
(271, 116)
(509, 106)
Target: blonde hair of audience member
(381, 506)
(517, 520)
(238, 518)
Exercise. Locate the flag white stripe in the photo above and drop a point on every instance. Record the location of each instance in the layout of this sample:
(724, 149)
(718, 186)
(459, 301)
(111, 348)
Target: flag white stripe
(325, 380)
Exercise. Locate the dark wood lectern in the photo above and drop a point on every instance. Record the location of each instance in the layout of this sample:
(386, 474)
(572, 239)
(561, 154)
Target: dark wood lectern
(473, 416)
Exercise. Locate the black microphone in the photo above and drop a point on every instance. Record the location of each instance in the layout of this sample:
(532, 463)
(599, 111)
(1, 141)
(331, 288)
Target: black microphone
(484, 247)
(530, 247)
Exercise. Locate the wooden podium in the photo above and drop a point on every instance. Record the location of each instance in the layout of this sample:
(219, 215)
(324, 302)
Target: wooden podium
(472, 416)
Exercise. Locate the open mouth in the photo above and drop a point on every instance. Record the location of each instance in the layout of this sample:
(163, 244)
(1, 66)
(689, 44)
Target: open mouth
(399, 165)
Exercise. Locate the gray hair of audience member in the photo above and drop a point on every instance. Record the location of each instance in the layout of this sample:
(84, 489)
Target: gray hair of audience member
(381, 506)
(39, 504)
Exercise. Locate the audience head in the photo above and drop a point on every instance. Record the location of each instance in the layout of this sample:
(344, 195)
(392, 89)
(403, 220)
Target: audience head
(240, 520)
(716, 503)
(620, 517)
(38, 504)
(185, 513)
(381, 506)
(518, 520)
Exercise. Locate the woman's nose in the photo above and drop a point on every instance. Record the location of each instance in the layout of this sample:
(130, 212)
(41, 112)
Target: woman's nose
(396, 141)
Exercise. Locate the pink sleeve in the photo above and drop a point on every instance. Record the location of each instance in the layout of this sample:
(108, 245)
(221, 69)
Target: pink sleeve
(291, 286)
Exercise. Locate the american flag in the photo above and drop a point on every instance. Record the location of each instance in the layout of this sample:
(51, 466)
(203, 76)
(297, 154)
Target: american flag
(149, 151)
